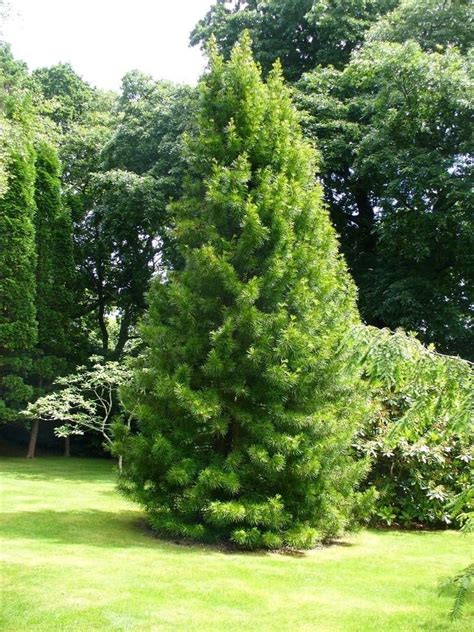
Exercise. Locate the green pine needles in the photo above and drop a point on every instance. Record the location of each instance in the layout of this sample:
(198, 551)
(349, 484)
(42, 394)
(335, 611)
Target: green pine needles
(245, 401)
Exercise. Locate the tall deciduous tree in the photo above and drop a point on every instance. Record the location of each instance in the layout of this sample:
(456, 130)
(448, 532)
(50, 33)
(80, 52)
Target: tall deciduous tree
(121, 203)
(244, 404)
(301, 33)
(395, 134)
(434, 24)
(115, 240)
(153, 118)
(69, 95)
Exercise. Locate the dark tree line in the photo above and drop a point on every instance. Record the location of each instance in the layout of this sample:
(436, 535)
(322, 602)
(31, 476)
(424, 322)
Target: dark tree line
(36, 256)
(85, 181)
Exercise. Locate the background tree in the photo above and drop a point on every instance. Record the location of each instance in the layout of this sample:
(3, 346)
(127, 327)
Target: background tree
(434, 24)
(117, 251)
(245, 409)
(154, 117)
(13, 81)
(55, 349)
(120, 165)
(38, 279)
(85, 401)
(70, 97)
(122, 220)
(121, 158)
(55, 266)
(18, 327)
(82, 119)
(400, 195)
(301, 33)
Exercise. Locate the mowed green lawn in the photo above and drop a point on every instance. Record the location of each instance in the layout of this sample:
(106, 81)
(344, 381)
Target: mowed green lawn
(77, 556)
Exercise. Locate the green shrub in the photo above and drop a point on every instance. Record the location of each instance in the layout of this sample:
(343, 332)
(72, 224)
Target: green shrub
(420, 437)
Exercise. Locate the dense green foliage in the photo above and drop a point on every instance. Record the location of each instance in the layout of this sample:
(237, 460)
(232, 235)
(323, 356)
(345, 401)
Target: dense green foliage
(395, 136)
(238, 350)
(434, 24)
(148, 141)
(99, 225)
(69, 97)
(420, 439)
(121, 157)
(18, 326)
(55, 274)
(300, 33)
(392, 121)
(244, 405)
(37, 267)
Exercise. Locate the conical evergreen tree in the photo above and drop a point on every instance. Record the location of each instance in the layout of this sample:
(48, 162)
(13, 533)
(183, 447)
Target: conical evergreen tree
(18, 327)
(54, 279)
(245, 405)
(55, 262)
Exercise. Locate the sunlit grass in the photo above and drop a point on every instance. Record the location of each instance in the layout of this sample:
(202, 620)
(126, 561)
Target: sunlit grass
(77, 556)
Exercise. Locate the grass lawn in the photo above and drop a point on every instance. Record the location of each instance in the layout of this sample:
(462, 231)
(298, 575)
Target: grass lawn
(77, 556)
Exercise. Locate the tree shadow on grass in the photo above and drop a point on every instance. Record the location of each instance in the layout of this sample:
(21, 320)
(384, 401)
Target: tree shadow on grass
(73, 477)
(106, 529)
(126, 529)
(58, 470)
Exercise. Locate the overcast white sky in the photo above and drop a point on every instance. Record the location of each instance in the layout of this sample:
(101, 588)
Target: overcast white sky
(103, 39)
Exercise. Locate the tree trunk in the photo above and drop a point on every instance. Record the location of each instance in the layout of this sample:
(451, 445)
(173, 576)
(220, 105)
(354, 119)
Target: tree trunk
(120, 463)
(365, 221)
(33, 439)
(125, 323)
(104, 334)
(67, 446)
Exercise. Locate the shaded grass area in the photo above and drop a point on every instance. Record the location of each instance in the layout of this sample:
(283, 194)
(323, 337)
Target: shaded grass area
(77, 556)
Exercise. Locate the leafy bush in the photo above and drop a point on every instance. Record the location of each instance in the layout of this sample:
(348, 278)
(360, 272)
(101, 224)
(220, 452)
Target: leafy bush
(420, 438)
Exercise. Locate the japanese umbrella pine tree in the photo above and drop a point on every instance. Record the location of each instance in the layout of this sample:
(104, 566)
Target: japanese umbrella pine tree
(245, 402)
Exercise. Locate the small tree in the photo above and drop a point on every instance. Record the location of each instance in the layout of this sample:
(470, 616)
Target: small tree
(245, 403)
(86, 402)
